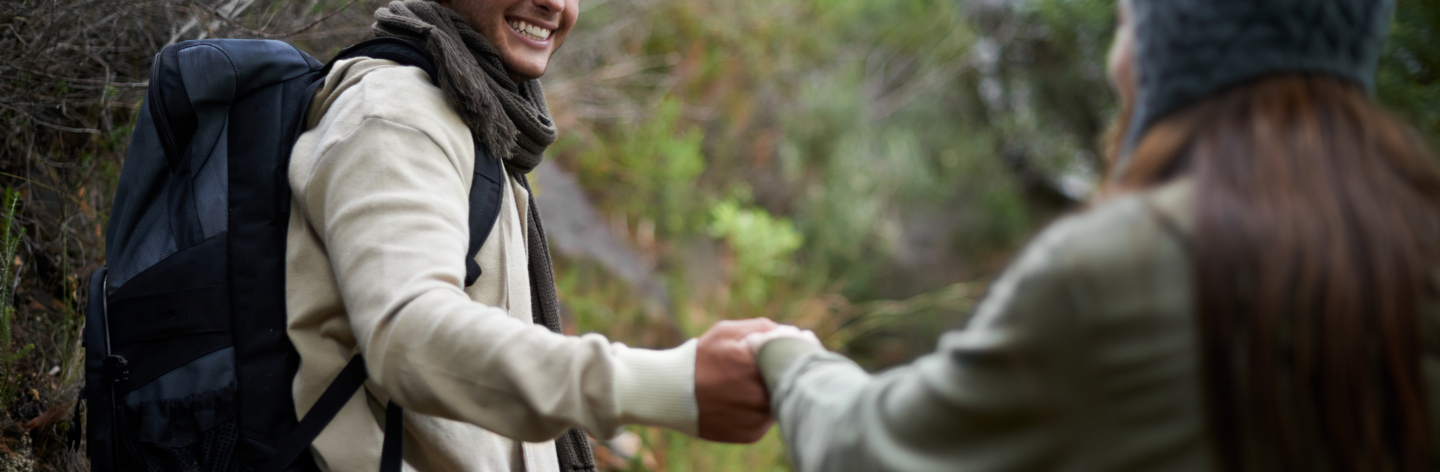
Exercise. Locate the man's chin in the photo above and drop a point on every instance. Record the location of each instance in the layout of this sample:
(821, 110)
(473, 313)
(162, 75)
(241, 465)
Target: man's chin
(525, 72)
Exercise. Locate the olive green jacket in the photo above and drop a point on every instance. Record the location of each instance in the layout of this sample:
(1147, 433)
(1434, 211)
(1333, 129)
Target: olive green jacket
(1082, 357)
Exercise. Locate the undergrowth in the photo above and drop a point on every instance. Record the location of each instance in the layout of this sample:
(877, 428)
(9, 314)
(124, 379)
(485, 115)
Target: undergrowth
(10, 351)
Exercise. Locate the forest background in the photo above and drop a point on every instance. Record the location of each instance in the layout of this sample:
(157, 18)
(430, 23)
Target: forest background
(857, 167)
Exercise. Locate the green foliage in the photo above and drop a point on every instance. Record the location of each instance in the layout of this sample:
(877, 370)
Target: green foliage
(665, 450)
(654, 167)
(9, 353)
(687, 454)
(783, 151)
(762, 246)
(1409, 76)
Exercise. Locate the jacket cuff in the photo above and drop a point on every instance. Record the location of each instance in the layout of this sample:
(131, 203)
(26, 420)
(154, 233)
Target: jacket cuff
(657, 388)
(777, 356)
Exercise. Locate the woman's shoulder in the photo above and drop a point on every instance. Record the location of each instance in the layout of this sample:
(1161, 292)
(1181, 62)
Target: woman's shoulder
(1134, 226)
(1100, 269)
(1123, 257)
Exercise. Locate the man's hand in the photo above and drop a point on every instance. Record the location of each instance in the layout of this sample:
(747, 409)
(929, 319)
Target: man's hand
(734, 406)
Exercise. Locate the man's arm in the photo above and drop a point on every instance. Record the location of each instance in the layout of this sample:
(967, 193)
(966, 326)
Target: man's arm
(386, 196)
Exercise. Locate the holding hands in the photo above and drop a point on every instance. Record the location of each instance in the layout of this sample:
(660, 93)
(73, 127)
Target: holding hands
(734, 406)
(758, 340)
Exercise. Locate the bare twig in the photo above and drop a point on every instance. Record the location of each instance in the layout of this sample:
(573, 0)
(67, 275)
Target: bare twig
(29, 181)
(875, 315)
(82, 80)
(38, 121)
(237, 25)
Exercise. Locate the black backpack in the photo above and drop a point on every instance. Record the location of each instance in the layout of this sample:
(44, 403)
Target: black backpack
(187, 362)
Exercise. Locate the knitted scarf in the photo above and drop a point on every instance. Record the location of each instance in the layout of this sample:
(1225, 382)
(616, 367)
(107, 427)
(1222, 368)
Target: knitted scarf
(512, 122)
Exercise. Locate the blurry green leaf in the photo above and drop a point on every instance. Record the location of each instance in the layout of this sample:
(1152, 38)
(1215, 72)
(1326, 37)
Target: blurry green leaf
(762, 246)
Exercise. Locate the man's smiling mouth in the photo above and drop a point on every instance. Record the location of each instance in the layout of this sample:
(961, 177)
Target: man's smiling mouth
(529, 30)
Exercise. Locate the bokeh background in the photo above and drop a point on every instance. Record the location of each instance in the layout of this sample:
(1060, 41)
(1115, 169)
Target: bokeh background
(858, 167)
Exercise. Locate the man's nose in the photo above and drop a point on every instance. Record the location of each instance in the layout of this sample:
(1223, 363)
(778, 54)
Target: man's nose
(550, 6)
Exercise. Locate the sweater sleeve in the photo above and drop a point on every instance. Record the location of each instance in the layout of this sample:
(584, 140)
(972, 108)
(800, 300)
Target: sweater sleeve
(987, 399)
(388, 198)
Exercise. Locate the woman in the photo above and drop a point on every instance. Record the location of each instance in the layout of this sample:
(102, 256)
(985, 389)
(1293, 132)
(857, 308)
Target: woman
(1253, 292)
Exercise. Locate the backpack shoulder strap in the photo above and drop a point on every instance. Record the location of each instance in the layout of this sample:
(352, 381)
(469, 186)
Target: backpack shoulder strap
(402, 51)
(485, 197)
(349, 381)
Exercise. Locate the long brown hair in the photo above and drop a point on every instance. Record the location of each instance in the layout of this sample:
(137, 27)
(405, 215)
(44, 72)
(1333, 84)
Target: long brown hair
(1316, 231)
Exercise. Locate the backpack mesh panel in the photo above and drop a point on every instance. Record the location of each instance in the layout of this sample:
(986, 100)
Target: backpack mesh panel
(214, 452)
(211, 91)
(151, 242)
(139, 233)
(211, 188)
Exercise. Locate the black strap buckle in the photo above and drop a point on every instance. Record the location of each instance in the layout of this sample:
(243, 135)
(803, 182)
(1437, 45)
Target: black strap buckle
(117, 369)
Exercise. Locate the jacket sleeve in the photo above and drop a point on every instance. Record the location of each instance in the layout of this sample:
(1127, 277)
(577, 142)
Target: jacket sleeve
(388, 200)
(989, 398)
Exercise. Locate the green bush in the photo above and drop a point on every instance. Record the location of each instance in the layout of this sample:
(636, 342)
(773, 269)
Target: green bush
(651, 170)
(762, 246)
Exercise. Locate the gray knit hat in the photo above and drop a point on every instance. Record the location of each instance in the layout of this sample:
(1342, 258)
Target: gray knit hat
(1187, 50)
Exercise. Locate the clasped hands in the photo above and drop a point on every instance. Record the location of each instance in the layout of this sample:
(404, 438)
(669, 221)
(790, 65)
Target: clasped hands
(733, 402)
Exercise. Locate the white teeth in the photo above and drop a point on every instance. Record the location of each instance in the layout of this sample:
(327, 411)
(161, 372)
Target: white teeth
(531, 31)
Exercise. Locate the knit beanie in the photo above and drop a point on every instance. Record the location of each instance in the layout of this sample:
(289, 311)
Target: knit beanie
(1188, 50)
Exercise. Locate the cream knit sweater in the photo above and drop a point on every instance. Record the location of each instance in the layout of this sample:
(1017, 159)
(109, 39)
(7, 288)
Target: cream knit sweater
(378, 232)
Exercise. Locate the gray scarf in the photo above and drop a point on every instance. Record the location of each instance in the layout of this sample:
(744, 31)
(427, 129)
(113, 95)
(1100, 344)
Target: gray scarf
(512, 123)
(511, 120)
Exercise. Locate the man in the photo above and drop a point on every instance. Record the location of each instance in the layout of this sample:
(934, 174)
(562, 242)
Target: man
(374, 265)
